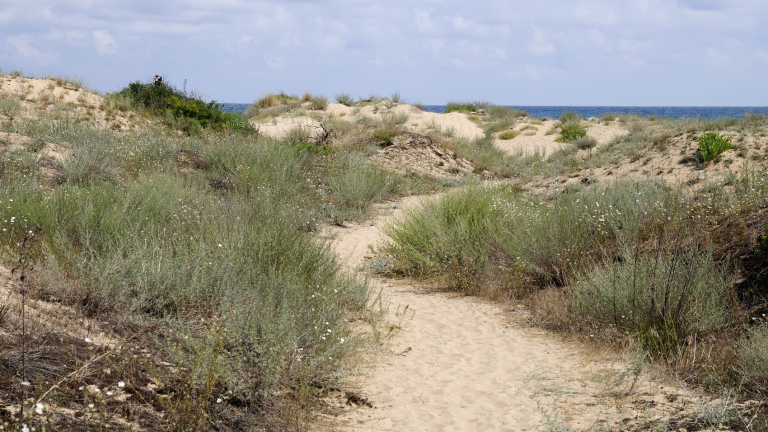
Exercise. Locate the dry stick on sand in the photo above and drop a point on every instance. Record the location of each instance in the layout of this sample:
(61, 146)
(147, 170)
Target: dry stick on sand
(22, 268)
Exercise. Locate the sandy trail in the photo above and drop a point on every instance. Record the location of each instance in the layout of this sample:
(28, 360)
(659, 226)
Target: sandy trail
(464, 364)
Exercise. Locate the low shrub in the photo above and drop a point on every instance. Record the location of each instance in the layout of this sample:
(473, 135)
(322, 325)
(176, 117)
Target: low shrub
(585, 143)
(509, 134)
(570, 132)
(712, 144)
(345, 99)
(664, 295)
(319, 103)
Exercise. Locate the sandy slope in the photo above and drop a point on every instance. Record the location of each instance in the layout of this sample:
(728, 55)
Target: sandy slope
(418, 121)
(534, 140)
(464, 364)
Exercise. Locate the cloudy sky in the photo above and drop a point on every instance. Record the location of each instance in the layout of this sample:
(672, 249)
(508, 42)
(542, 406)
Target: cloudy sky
(547, 52)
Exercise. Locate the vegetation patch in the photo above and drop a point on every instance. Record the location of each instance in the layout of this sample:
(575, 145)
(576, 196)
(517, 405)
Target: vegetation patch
(509, 134)
(712, 144)
(179, 108)
(570, 132)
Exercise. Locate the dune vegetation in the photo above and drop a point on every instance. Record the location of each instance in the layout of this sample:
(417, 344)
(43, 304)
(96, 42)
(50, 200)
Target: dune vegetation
(165, 266)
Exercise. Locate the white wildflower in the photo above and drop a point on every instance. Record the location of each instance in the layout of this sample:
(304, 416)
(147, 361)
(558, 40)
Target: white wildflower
(39, 408)
(88, 340)
(218, 400)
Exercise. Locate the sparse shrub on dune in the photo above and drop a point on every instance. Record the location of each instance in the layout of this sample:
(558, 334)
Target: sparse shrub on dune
(570, 132)
(319, 103)
(344, 99)
(665, 295)
(570, 117)
(465, 107)
(585, 143)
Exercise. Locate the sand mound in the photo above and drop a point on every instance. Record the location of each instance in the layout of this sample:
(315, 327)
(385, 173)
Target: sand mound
(410, 117)
(46, 94)
(418, 153)
(280, 127)
(533, 138)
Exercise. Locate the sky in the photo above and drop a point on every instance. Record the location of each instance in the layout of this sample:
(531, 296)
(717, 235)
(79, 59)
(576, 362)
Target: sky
(546, 52)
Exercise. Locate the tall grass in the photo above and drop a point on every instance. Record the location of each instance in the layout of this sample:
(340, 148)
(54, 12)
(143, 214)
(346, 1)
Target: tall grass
(356, 183)
(229, 243)
(665, 294)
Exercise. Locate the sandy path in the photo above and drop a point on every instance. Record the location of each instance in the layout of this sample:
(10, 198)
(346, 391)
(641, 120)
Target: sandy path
(464, 364)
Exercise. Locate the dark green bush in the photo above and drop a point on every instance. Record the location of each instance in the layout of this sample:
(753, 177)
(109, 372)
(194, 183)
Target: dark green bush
(190, 112)
(711, 144)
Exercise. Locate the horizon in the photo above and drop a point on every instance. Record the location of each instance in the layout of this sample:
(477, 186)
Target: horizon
(684, 53)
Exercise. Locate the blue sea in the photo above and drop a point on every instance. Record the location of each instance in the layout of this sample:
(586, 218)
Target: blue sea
(598, 111)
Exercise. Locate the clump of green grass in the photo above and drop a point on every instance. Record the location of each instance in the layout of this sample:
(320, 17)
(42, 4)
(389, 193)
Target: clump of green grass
(712, 144)
(465, 107)
(509, 134)
(449, 236)
(356, 184)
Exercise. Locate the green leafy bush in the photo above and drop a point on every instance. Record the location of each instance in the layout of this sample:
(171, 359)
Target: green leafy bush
(570, 132)
(190, 112)
(507, 135)
(711, 144)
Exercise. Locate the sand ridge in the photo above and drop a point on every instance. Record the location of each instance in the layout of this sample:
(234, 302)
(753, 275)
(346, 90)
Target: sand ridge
(418, 121)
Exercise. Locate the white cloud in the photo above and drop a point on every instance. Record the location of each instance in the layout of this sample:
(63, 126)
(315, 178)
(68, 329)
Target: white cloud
(105, 43)
(21, 43)
(540, 45)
